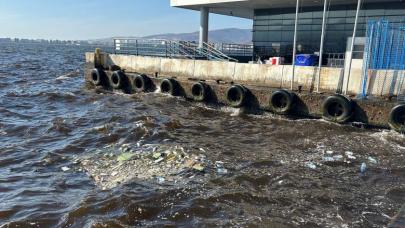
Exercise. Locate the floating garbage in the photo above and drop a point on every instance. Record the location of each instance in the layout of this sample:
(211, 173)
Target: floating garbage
(65, 169)
(310, 165)
(160, 180)
(349, 155)
(334, 158)
(221, 170)
(198, 167)
(372, 160)
(328, 159)
(159, 160)
(338, 157)
(363, 167)
(125, 157)
(115, 165)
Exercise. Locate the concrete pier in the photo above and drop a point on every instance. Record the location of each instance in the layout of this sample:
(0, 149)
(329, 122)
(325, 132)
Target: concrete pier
(261, 81)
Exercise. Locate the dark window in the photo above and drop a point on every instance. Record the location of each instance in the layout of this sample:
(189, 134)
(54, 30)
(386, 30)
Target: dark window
(274, 28)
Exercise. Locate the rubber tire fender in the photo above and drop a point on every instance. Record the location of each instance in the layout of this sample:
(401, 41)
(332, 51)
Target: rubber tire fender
(337, 108)
(282, 101)
(200, 91)
(98, 77)
(117, 79)
(236, 96)
(142, 83)
(397, 118)
(169, 86)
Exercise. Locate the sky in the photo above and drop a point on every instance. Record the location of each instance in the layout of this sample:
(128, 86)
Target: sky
(92, 19)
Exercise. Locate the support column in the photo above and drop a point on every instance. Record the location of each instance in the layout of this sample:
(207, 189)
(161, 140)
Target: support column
(322, 44)
(352, 47)
(204, 24)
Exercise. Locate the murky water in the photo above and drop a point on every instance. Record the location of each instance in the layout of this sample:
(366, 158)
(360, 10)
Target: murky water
(279, 173)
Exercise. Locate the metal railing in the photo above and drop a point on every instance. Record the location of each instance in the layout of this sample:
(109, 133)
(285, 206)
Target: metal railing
(181, 49)
(336, 60)
(236, 49)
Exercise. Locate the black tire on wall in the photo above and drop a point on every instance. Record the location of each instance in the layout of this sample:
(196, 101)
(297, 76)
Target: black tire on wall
(169, 86)
(397, 118)
(237, 96)
(337, 108)
(200, 91)
(98, 77)
(142, 83)
(282, 102)
(118, 80)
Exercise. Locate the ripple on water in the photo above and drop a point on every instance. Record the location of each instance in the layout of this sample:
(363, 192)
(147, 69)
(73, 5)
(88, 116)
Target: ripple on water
(280, 173)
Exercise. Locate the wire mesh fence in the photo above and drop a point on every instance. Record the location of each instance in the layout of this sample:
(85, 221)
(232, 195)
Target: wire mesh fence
(384, 56)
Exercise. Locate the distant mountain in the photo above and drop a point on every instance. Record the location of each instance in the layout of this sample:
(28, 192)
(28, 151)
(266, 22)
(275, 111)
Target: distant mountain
(230, 35)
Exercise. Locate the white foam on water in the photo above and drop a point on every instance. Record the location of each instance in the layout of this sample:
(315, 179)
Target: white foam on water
(232, 111)
(69, 75)
(158, 90)
(63, 77)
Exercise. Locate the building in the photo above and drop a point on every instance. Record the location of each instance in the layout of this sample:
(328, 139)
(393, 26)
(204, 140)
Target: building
(274, 21)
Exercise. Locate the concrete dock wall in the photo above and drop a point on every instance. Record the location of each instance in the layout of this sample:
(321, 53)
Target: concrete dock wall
(380, 83)
(260, 83)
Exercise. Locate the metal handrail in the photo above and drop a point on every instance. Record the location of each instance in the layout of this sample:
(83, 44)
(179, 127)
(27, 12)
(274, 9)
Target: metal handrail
(216, 53)
(178, 49)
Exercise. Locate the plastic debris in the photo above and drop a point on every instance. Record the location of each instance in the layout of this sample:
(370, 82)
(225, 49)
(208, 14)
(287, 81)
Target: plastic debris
(159, 160)
(363, 167)
(219, 164)
(198, 167)
(65, 169)
(338, 157)
(125, 157)
(157, 155)
(372, 160)
(189, 163)
(311, 165)
(222, 171)
(115, 165)
(349, 155)
(160, 180)
(328, 159)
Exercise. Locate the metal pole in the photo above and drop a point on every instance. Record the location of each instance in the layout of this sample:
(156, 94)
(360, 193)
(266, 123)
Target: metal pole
(295, 43)
(322, 43)
(352, 46)
(136, 45)
(204, 21)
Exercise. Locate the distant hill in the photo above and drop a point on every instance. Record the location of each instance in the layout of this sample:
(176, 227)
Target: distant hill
(230, 35)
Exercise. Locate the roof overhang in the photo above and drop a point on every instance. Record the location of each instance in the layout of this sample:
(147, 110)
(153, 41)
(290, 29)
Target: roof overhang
(245, 8)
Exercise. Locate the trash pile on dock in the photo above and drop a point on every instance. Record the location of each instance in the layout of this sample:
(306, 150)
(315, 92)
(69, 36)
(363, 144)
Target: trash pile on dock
(161, 164)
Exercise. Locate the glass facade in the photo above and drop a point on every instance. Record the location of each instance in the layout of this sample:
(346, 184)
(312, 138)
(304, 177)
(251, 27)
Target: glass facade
(273, 29)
